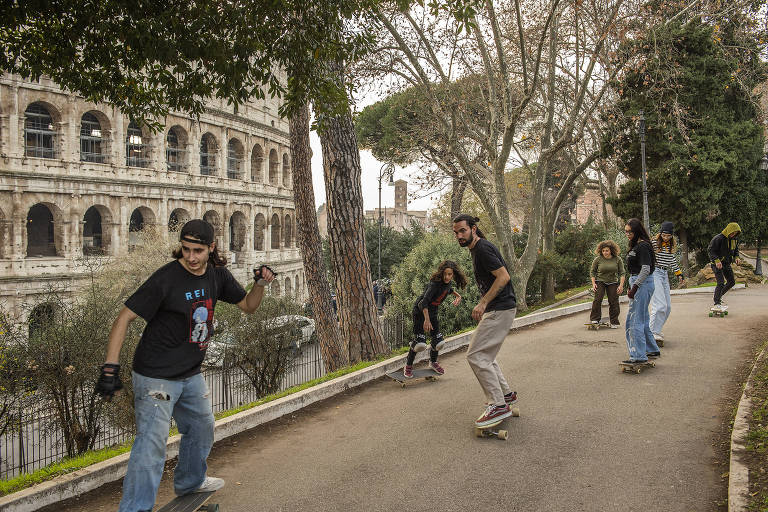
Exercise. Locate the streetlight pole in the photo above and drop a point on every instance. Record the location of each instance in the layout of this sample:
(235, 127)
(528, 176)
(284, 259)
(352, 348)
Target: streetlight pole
(646, 221)
(388, 169)
(758, 256)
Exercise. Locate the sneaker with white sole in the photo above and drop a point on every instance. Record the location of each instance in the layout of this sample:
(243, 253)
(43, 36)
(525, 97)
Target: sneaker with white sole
(408, 371)
(511, 398)
(436, 367)
(493, 414)
(210, 484)
(614, 326)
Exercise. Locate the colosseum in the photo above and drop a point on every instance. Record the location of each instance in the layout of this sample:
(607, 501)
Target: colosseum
(82, 179)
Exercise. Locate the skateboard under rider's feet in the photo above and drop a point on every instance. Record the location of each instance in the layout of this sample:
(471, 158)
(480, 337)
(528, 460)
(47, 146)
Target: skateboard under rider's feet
(720, 311)
(421, 373)
(636, 367)
(489, 430)
(197, 501)
(604, 322)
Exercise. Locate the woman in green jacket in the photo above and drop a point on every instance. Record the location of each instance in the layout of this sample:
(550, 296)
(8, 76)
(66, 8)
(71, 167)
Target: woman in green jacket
(607, 276)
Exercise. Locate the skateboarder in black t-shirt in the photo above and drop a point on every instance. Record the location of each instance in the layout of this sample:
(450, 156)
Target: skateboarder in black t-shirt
(178, 303)
(425, 314)
(495, 313)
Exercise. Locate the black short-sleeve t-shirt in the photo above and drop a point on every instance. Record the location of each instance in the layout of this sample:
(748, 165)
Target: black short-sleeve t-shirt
(486, 258)
(641, 254)
(433, 296)
(178, 307)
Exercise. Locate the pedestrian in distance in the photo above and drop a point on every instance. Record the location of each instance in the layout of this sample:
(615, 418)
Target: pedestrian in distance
(665, 249)
(641, 263)
(607, 274)
(178, 303)
(723, 251)
(494, 313)
(425, 318)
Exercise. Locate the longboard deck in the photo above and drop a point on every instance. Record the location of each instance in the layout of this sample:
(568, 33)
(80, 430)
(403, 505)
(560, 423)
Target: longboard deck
(191, 503)
(636, 367)
(717, 312)
(421, 373)
(595, 327)
(488, 430)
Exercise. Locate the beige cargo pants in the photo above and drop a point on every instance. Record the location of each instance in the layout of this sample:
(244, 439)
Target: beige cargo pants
(483, 348)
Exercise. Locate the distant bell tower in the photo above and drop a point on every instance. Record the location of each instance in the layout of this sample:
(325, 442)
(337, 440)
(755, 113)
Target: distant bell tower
(401, 195)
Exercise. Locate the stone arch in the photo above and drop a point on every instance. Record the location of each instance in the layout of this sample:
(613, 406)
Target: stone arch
(140, 219)
(286, 171)
(274, 288)
(213, 217)
(257, 163)
(40, 317)
(44, 230)
(259, 224)
(40, 133)
(176, 141)
(275, 234)
(238, 230)
(235, 154)
(94, 137)
(177, 219)
(97, 237)
(288, 288)
(288, 231)
(209, 147)
(274, 165)
(137, 146)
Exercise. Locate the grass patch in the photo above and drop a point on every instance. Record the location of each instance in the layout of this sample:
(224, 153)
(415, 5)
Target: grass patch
(757, 438)
(62, 467)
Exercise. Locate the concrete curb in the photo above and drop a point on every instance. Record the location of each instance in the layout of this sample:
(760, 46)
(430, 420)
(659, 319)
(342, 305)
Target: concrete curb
(92, 477)
(738, 472)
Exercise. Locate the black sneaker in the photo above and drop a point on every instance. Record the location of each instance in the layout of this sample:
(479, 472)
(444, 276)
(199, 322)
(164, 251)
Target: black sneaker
(653, 354)
(639, 361)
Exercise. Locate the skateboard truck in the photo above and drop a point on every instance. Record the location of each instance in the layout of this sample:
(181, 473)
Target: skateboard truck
(488, 430)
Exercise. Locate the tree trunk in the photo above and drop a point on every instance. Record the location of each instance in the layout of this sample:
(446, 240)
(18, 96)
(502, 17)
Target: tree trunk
(548, 246)
(354, 288)
(458, 186)
(684, 263)
(334, 354)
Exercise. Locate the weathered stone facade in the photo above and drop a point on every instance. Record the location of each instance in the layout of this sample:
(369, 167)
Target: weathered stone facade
(78, 177)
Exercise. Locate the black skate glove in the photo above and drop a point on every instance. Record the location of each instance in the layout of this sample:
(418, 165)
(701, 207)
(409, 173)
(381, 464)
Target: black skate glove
(109, 381)
(632, 291)
(257, 275)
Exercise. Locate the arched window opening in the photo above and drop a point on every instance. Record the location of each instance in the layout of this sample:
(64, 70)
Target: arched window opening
(40, 318)
(234, 159)
(93, 242)
(177, 219)
(286, 172)
(258, 235)
(275, 232)
(39, 134)
(175, 154)
(257, 160)
(274, 166)
(288, 231)
(40, 232)
(91, 140)
(136, 149)
(208, 155)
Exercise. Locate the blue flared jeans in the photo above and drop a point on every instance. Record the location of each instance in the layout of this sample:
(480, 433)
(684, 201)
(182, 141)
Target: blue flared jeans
(661, 301)
(640, 339)
(156, 401)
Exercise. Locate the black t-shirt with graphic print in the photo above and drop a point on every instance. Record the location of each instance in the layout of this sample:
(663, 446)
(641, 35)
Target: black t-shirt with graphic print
(178, 307)
(486, 258)
(433, 296)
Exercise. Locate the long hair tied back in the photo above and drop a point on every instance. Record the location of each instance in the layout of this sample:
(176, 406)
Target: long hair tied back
(471, 221)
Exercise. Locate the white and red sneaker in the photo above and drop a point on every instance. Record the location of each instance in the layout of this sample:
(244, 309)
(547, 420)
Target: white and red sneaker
(437, 368)
(408, 372)
(493, 414)
(511, 398)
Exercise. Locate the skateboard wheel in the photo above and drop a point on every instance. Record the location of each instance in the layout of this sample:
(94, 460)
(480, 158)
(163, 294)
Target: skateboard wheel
(402, 385)
(637, 370)
(503, 434)
(213, 507)
(478, 432)
(515, 412)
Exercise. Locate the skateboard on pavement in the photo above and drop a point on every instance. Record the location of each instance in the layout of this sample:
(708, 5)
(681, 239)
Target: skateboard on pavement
(488, 430)
(421, 373)
(597, 326)
(723, 311)
(636, 367)
(191, 503)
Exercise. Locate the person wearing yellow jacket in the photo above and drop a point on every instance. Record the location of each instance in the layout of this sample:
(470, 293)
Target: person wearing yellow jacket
(724, 250)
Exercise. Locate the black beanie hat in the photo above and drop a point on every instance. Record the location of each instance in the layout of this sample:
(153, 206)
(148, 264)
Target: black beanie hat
(667, 227)
(197, 231)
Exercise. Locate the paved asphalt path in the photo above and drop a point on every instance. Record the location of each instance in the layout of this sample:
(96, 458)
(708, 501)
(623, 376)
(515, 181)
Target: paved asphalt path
(589, 437)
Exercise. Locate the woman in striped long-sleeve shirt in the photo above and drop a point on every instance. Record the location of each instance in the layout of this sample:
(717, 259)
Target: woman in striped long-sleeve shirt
(666, 259)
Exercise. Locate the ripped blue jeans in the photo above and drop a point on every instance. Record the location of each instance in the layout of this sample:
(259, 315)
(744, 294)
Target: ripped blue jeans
(156, 401)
